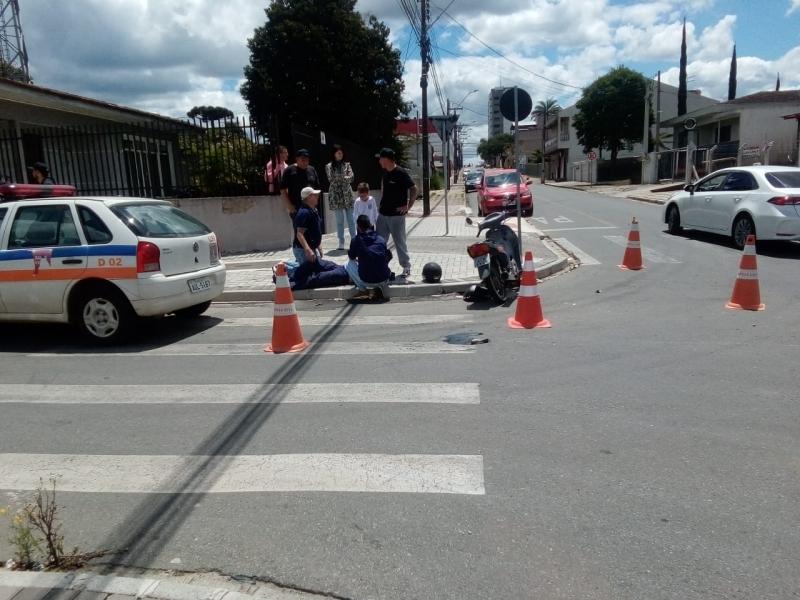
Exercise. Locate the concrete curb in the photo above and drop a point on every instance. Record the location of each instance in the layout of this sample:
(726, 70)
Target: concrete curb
(412, 290)
(146, 587)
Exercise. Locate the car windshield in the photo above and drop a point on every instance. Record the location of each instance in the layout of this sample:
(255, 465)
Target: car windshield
(784, 179)
(159, 221)
(502, 179)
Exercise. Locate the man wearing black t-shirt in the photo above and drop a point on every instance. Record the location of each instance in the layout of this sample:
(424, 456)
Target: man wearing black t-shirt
(398, 193)
(295, 178)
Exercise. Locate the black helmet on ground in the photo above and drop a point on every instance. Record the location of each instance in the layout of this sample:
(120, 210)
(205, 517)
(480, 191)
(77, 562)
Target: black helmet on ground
(431, 273)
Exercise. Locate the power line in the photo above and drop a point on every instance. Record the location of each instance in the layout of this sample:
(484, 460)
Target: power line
(504, 57)
(545, 88)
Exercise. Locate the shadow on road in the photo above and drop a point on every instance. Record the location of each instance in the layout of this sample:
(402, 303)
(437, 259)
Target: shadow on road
(773, 249)
(156, 520)
(56, 338)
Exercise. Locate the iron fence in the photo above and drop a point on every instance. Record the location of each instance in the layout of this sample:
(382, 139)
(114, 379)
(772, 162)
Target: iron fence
(155, 159)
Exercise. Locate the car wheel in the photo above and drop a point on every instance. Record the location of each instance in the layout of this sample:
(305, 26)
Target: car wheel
(742, 227)
(674, 220)
(103, 314)
(193, 311)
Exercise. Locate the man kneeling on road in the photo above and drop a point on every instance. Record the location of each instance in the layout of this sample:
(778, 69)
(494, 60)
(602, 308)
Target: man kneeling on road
(368, 266)
(307, 228)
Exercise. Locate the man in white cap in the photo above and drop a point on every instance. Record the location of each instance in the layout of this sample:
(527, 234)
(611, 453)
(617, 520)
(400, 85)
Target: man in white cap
(307, 227)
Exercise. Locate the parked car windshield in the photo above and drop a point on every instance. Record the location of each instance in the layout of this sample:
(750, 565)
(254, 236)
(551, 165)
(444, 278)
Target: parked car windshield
(784, 179)
(159, 221)
(501, 179)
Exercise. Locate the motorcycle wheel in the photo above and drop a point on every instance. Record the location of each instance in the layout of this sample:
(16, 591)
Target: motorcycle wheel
(495, 283)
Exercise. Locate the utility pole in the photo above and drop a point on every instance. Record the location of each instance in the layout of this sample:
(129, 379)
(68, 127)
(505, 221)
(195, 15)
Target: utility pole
(658, 106)
(424, 43)
(646, 129)
(445, 160)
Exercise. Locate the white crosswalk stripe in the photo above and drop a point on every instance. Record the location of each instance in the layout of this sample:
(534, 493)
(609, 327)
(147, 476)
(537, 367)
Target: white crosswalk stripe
(410, 473)
(243, 393)
(336, 348)
(585, 259)
(338, 470)
(649, 255)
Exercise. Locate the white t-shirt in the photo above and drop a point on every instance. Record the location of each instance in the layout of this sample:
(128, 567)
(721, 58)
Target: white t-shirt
(366, 207)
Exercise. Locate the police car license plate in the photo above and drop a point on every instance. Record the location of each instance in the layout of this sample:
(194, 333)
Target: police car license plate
(199, 285)
(482, 261)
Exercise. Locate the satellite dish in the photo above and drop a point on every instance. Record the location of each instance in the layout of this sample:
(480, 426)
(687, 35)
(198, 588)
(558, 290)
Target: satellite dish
(689, 124)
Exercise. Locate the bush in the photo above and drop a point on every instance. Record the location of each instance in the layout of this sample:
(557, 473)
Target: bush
(437, 181)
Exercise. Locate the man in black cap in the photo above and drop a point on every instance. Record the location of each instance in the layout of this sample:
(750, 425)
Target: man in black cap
(398, 193)
(41, 174)
(296, 177)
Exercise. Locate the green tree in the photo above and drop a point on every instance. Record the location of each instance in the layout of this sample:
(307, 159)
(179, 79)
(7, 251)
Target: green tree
(318, 63)
(611, 111)
(544, 110)
(8, 71)
(210, 113)
(682, 88)
(222, 161)
(497, 147)
(732, 77)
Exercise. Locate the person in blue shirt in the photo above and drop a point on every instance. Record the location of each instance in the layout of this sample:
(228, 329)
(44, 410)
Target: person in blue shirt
(368, 266)
(307, 228)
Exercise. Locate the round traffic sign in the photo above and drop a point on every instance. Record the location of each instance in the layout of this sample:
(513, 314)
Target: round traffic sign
(524, 104)
(592, 155)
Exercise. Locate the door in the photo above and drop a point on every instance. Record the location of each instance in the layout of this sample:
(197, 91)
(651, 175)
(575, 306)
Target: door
(723, 207)
(3, 213)
(43, 253)
(699, 213)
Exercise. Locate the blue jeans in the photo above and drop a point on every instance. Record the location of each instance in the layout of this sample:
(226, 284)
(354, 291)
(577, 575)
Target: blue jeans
(352, 271)
(300, 255)
(342, 215)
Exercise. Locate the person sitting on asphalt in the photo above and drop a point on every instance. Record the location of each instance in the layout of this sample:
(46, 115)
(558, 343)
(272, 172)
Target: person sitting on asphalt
(307, 228)
(368, 266)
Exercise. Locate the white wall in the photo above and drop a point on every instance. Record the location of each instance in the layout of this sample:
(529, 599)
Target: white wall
(243, 224)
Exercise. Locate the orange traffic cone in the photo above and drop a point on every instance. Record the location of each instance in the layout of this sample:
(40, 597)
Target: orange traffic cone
(746, 294)
(529, 307)
(632, 261)
(286, 334)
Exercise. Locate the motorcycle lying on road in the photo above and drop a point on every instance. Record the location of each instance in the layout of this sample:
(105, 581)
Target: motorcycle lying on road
(496, 258)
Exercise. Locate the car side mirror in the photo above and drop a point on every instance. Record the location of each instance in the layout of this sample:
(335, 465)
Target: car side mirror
(689, 188)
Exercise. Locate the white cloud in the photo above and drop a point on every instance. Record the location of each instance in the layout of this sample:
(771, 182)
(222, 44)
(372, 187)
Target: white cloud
(793, 6)
(170, 55)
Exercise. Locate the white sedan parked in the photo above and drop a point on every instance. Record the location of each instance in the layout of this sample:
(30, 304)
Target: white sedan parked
(763, 200)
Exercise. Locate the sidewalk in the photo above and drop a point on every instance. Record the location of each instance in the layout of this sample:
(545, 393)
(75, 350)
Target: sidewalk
(82, 585)
(430, 239)
(643, 193)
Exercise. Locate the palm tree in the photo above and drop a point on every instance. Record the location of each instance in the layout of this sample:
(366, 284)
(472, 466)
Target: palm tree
(543, 111)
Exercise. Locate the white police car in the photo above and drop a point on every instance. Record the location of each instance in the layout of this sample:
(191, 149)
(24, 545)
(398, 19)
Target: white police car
(99, 263)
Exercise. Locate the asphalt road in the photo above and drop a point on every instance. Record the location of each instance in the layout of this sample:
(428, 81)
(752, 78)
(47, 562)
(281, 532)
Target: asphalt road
(644, 447)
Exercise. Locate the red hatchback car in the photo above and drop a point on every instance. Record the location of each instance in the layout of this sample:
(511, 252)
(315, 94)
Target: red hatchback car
(498, 191)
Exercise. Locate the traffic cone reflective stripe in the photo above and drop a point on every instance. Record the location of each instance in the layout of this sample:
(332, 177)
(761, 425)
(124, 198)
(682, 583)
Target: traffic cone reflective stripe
(286, 333)
(746, 293)
(632, 260)
(529, 307)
